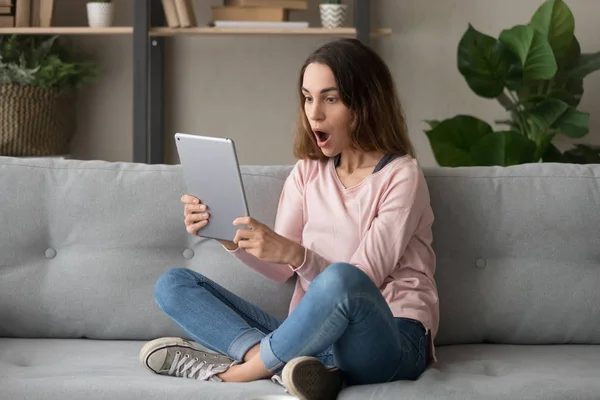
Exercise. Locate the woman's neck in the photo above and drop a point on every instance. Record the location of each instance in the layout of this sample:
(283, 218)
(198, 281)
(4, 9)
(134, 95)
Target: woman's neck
(351, 160)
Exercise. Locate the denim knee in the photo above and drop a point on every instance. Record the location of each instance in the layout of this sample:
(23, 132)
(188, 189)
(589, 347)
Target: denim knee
(340, 279)
(165, 289)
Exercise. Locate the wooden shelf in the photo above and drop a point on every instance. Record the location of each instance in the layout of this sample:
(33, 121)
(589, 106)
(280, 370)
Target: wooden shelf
(68, 30)
(262, 31)
(128, 30)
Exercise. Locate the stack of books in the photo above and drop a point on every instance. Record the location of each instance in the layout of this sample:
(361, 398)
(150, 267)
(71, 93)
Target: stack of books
(25, 13)
(179, 13)
(7, 14)
(258, 13)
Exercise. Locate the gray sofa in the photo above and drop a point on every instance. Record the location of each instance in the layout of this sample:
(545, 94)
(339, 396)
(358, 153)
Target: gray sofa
(82, 244)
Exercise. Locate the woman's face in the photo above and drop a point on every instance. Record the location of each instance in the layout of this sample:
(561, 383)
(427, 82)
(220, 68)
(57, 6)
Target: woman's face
(329, 118)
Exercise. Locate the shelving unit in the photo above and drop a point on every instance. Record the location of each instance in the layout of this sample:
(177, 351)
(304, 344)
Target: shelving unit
(149, 36)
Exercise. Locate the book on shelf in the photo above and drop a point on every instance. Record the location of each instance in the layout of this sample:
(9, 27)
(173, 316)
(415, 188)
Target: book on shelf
(185, 13)
(23, 13)
(287, 4)
(35, 12)
(7, 21)
(46, 11)
(170, 13)
(260, 24)
(6, 14)
(234, 13)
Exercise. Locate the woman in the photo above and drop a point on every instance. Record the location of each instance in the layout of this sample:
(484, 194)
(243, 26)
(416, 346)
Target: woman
(353, 223)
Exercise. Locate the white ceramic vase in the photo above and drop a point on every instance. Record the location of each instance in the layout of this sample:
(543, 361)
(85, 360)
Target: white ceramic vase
(100, 14)
(333, 15)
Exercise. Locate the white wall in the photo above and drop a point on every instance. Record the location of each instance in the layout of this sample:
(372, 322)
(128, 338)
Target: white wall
(244, 87)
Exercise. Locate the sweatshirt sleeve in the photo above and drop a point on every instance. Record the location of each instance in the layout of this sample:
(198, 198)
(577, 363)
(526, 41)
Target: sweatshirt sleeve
(289, 223)
(394, 226)
(385, 242)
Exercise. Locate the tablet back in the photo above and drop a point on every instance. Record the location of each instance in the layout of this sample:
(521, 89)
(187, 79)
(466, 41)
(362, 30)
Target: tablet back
(212, 174)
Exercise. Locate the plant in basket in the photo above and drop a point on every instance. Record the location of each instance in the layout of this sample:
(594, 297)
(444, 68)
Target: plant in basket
(39, 77)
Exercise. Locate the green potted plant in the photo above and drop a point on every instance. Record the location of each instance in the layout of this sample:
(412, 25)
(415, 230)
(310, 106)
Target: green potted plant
(333, 14)
(39, 76)
(100, 13)
(536, 72)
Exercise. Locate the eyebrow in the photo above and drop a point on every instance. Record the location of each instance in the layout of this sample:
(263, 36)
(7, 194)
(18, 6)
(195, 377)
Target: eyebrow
(329, 89)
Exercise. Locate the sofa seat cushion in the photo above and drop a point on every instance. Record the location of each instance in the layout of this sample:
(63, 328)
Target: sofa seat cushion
(65, 369)
(82, 368)
(486, 372)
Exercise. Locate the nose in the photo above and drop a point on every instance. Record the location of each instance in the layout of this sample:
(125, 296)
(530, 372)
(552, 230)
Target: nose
(314, 111)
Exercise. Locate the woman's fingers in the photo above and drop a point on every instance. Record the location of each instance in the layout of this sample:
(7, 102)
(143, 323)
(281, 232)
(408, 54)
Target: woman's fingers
(196, 217)
(242, 234)
(188, 199)
(194, 208)
(194, 228)
(248, 221)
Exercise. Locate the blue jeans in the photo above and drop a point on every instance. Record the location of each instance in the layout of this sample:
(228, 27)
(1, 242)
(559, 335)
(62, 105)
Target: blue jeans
(343, 320)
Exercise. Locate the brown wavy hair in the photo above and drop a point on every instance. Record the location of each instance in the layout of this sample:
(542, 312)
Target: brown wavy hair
(367, 88)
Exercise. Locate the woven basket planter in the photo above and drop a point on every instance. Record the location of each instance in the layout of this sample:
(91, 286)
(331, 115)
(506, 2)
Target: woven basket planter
(35, 122)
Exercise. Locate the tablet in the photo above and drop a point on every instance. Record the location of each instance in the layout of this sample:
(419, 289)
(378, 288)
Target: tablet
(212, 174)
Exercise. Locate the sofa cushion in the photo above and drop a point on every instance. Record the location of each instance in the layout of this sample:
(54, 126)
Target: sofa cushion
(78, 369)
(83, 243)
(499, 372)
(518, 253)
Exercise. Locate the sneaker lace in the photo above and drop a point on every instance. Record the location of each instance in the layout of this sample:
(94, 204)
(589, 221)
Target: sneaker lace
(278, 380)
(187, 367)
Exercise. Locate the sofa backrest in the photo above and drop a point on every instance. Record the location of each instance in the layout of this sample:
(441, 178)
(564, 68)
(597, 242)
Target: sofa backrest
(518, 253)
(82, 244)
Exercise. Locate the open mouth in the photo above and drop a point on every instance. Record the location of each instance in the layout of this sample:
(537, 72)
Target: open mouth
(322, 137)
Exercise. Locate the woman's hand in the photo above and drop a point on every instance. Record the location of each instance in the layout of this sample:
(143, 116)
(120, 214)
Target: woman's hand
(263, 243)
(196, 217)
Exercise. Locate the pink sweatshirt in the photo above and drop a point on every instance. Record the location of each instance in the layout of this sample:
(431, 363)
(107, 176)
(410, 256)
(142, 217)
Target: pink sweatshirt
(382, 226)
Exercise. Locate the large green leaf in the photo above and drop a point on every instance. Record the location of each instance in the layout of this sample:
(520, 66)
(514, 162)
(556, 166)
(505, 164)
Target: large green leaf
(553, 155)
(514, 78)
(504, 149)
(544, 114)
(583, 154)
(533, 49)
(452, 139)
(573, 123)
(484, 62)
(586, 64)
(555, 21)
(566, 88)
(570, 92)
(566, 96)
(570, 58)
(432, 123)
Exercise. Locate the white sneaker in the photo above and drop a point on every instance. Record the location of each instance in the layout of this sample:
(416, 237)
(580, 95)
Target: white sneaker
(308, 379)
(178, 357)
